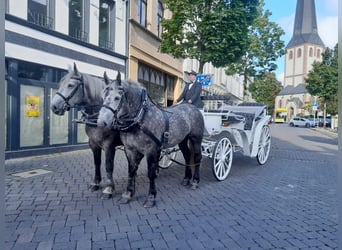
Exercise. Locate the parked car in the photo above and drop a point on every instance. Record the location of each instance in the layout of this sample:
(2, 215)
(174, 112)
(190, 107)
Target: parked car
(327, 122)
(301, 122)
(314, 121)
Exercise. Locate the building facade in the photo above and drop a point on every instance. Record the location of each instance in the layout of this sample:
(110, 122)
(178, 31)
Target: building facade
(160, 73)
(43, 38)
(304, 48)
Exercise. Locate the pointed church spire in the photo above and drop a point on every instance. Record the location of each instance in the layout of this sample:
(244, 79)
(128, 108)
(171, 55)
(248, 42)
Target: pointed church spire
(305, 26)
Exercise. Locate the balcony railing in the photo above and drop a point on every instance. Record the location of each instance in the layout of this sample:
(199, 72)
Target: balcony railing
(40, 19)
(106, 44)
(79, 34)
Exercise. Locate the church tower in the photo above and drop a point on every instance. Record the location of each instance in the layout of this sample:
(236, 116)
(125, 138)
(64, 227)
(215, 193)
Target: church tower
(304, 48)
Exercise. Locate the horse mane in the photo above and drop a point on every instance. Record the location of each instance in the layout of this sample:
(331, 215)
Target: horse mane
(94, 86)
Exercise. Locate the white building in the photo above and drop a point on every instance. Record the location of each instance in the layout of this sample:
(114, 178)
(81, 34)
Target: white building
(42, 39)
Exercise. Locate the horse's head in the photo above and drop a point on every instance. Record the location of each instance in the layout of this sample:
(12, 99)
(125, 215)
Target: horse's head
(70, 92)
(113, 94)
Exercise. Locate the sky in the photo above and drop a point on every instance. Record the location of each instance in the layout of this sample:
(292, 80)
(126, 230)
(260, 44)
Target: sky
(283, 13)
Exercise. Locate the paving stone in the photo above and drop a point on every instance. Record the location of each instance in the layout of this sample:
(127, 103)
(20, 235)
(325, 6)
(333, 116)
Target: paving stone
(289, 203)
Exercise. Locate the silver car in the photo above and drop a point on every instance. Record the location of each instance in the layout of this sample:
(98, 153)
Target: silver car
(300, 122)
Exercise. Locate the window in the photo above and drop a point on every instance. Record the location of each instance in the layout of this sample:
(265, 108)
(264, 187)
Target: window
(160, 17)
(106, 24)
(38, 13)
(77, 20)
(310, 52)
(299, 52)
(318, 53)
(142, 5)
(291, 55)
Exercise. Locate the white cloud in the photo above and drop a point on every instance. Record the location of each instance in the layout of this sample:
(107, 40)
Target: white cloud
(328, 30)
(280, 77)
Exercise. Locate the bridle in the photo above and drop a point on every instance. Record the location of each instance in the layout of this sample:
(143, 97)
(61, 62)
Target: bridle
(80, 83)
(127, 121)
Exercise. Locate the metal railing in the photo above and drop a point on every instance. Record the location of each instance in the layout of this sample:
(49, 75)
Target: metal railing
(40, 19)
(79, 34)
(106, 44)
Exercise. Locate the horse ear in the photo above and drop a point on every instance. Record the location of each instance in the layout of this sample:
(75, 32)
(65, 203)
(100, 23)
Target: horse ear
(105, 77)
(118, 78)
(75, 69)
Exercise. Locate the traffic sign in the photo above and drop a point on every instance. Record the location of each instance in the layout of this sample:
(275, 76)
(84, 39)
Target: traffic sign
(205, 80)
(315, 104)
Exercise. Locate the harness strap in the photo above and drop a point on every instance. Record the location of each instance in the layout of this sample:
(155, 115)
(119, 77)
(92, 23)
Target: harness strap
(151, 135)
(166, 134)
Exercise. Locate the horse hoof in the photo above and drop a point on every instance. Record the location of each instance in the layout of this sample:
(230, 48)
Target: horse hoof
(150, 202)
(186, 182)
(194, 185)
(94, 187)
(126, 197)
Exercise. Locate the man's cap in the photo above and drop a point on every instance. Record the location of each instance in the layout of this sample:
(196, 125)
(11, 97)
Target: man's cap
(192, 72)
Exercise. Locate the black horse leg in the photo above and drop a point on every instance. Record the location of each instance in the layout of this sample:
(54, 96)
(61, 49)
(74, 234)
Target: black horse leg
(183, 146)
(109, 184)
(133, 163)
(97, 161)
(196, 147)
(152, 164)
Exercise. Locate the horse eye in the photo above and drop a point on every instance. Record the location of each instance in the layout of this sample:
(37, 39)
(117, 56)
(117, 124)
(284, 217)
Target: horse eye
(70, 85)
(116, 98)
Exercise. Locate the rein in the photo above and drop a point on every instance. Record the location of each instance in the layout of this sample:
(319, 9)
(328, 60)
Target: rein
(124, 124)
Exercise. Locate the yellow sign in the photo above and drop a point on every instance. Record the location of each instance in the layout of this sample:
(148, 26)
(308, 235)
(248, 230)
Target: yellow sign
(32, 106)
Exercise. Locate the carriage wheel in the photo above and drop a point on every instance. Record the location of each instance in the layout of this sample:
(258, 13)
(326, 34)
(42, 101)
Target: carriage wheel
(222, 158)
(167, 156)
(264, 145)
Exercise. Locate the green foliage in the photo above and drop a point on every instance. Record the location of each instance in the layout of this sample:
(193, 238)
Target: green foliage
(264, 49)
(264, 89)
(322, 80)
(213, 31)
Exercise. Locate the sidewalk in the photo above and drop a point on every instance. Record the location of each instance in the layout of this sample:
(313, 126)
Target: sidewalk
(327, 131)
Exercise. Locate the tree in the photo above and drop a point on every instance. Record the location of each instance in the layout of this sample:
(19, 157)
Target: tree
(264, 89)
(213, 31)
(322, 80)
(264, 49)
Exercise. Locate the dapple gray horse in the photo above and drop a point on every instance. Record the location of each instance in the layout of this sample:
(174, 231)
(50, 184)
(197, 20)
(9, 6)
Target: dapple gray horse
(146, 129)
(82, 90)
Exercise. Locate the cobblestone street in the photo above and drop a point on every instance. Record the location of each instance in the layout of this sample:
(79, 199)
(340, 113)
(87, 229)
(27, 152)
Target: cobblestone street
(289, 203)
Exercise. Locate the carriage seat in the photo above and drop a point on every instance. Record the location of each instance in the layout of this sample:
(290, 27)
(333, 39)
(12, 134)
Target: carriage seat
(249, 118)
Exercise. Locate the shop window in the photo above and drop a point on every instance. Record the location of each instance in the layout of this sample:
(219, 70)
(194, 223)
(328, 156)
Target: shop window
(31, 116)
(106, 24)
(142, 5)
(38, 12)
(32, 71)
(152, 79)
(159, 18)
(77, 20)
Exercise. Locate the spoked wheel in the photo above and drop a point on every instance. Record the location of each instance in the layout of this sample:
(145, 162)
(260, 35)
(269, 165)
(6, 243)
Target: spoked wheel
(167, 156)
(264, 145)
(222, 158)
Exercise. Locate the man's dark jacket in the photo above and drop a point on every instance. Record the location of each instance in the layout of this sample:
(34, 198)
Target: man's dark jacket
(193, 94)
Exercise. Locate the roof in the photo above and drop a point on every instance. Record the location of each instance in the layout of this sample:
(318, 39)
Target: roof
(290, 90)
(305, 26)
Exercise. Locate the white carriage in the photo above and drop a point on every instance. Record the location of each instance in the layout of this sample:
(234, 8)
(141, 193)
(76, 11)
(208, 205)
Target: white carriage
(229, 129)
